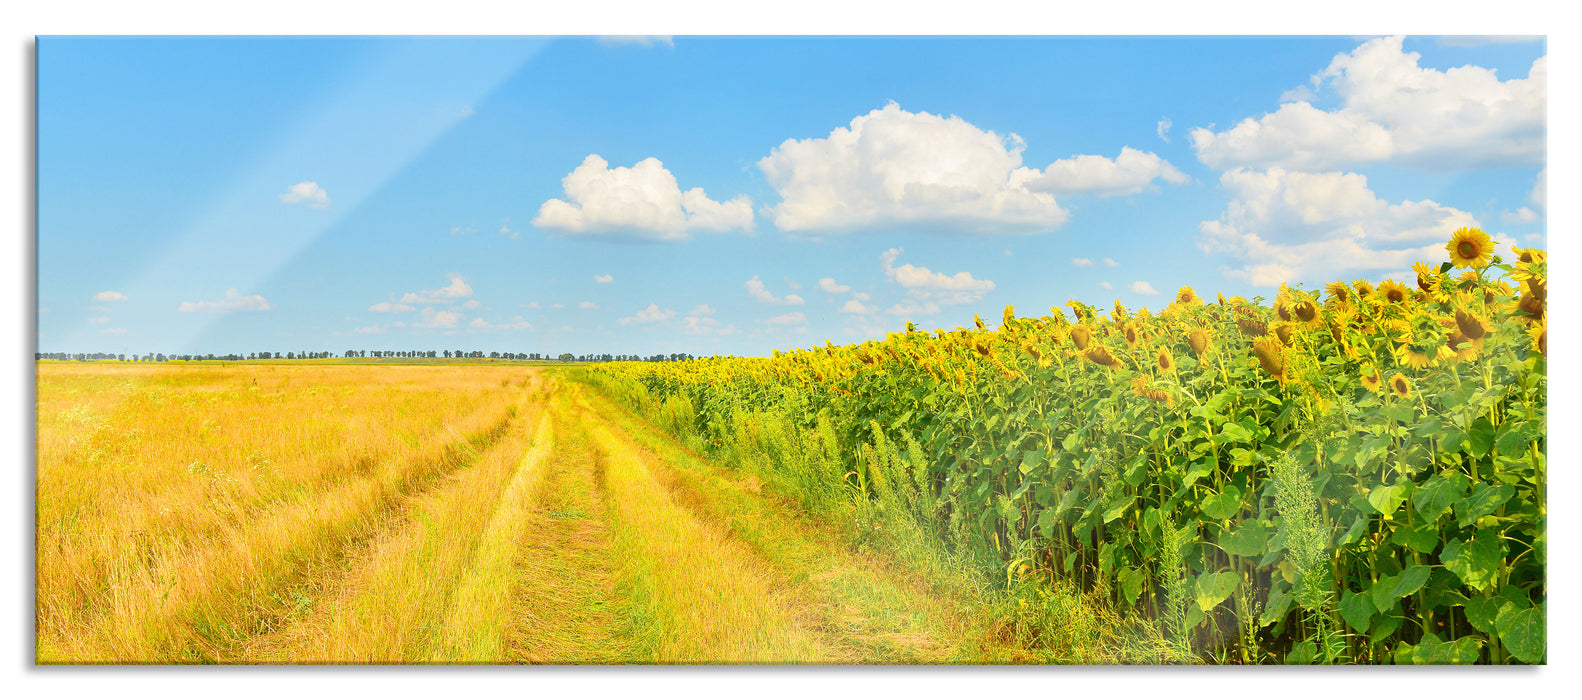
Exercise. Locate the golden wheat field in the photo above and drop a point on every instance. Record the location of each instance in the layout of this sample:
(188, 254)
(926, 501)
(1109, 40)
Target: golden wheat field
(254, 513)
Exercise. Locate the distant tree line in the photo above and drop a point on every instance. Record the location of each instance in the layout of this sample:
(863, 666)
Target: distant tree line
(304, 355)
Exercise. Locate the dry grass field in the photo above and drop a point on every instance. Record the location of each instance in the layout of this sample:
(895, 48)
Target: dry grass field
(481, 514)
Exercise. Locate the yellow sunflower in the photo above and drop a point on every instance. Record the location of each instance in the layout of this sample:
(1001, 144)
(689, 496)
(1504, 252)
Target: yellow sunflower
(1132, 334)
(1470, 247)
(1188, 296)
(1271, 356)
(1391, 291)
(1081, 336)
(1401, 386)
(1338, 292)
(1427, 274)
(1539, 333)
(1199, 341)
(1371, 381)
(1100, 356)
(1165, 361)
(1364, 288)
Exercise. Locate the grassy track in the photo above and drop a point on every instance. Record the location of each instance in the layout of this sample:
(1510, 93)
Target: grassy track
(549, 525)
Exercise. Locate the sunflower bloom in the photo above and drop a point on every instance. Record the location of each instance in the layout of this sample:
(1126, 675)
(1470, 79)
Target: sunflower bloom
(1412, 357)
(1470, 325)
(1401, 386)
(1140, 386)
(1188, 297)
(1305, 311)
(1392, 291)
(1271, 356)
(1539, 333)
(1364, 288)
(1100, 356)
(1426, 275)
(1284, 332)
(1470, 247)
(1132, 335)
(1371, 380)
(1338, 292)
(1199, 341)
(1081, 336)
(1120, 311)
(1462, 348)
(1165, 361)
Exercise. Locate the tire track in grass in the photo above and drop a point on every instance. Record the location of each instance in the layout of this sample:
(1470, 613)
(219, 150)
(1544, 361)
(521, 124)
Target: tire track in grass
(693, 593)
(885, 613)
(393, 600)
(566, 610)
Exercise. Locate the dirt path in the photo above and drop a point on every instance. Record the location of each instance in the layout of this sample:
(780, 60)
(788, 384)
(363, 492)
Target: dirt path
(585, 535)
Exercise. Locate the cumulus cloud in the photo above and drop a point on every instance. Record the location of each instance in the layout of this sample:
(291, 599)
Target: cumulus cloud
(795, 318)
(457, 289)
(308, 193)
(927, 290)
(530, 305)
(471, 304)
(701, 310)
(642, 202)
(1106, 285)
(1292, 226)
(652, 314)
(828, 284)
(1141, 287)
(1082, 262)
(1522, 215)
(892, 166)
(385, 307)
(1164, 129)
(114, 331)
(1109, 262)
(1129, 173)
(587, 305)
(1393, 110)
(852, 306)
(438, 319)
(233, 301)
(697, 322)
(109, 296)
(603, 279)
(479, 323)
(756, 288)
(1540, 194)
(99, 319)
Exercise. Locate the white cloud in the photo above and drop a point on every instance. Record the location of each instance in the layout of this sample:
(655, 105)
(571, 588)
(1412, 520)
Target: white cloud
(1394, 111)
(756, 288)
(1141, 287)
(642, 201)
(505, 230)
(1082, 262)
(894, 167)
(1110, 262)
(461, 230)
(1164, 129)
(696, 324)
(638, 40)
(308, 193)
(652, 314)
(1540, 193)
(701, 310)
(233, 301)
(364, 330)
(109, 296)
(587, 305)
(516, 322)
(1131, 172)
(853, 306)
(114, 331)
(861, 296)
(828, 284)
(479, 323)
(1300, 93)
(1522, 215)
(457, 289)
(530, 305)
(438, 319)
(795, 318)
(927, 290)
(557, 306)
(1106, 285)
(603, 279)
(471, 304)
(1290, 226)
(385, 307)
(792, 283)
(99, 319)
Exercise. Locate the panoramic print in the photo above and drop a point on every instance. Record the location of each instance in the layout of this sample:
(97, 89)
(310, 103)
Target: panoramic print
(791, 350)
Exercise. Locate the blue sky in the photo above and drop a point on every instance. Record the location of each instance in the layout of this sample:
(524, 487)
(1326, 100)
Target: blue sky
(720, 195)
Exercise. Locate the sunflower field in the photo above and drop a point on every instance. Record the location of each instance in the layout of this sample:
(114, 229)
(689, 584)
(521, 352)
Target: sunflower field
(1347, 475)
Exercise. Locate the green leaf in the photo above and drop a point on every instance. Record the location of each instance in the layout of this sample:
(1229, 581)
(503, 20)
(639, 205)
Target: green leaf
(1399, 413)
(1523, 633)
(1199, 470)
(1483, 613)
(1279, 604)
(1436, 495)
(1232, 432)
(1432, 650)
(1485, 499)
(1420, 538)
(1383, 592)
(1132, 581)
(1224, 504)
(1357, 609)
(1482, 436)
(1513, 439)
(1245, 540)
(1118, 509)
(1213, 589)
(1411, 580)
(1387, 499)
(1476, 562)
(1302, 653)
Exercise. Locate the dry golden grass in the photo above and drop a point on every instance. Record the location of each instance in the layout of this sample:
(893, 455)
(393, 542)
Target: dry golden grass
(178, 508)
